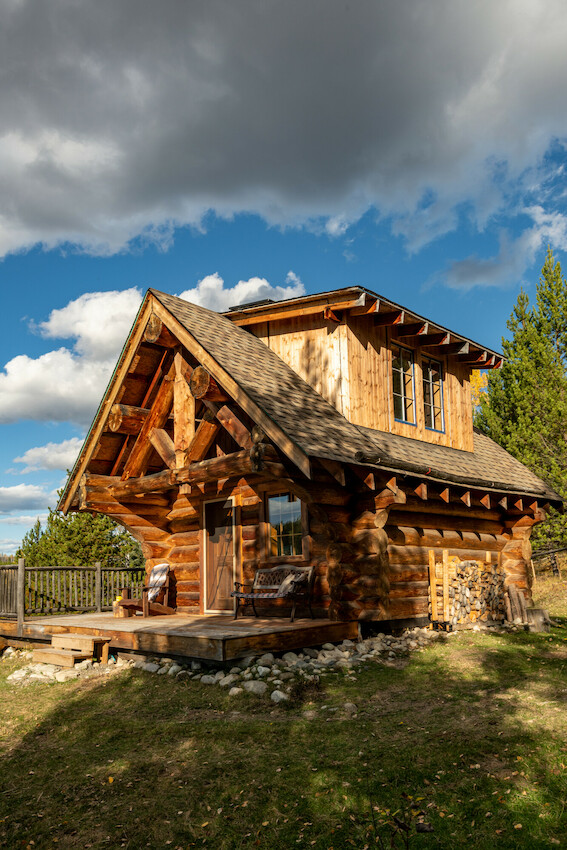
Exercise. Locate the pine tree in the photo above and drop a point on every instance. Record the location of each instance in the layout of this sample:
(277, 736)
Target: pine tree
(525, 406)
(79, 539)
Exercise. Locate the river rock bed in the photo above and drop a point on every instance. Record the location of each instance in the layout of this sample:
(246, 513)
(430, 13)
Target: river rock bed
(256, 674)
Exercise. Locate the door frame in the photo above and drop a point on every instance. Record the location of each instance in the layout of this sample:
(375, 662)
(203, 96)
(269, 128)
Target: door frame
(232, 501)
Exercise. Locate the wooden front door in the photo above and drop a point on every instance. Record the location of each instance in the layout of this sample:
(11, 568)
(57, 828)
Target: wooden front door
(219, 557)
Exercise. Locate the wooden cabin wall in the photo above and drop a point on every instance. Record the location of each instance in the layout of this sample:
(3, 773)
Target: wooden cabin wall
(370, 370)
(371, 562)
(317, 350)
(349, 364)
(180, 540)
(468, 533)
(385, 553)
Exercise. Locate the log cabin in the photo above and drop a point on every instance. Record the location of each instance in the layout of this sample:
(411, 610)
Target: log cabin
(332, 430)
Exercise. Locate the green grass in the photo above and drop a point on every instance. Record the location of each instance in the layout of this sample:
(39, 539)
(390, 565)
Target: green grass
(471, 731)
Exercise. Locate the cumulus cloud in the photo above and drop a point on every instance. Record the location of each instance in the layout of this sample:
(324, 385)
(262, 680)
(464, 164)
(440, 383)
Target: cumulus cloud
(124, 120)
(210, 292)
(67, 384)
(25, 497)
(51, 456)
(98, 321)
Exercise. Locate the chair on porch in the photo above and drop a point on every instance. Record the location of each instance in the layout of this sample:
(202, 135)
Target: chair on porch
(155, 598)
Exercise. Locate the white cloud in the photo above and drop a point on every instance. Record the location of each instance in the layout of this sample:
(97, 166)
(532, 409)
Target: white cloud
(9, 546)
(300, 112)
(210, 292)
(51, 456)
(56, 387)
(23, 519)
(25, 497)
(514, 255)
(98, 321)
(67, 384)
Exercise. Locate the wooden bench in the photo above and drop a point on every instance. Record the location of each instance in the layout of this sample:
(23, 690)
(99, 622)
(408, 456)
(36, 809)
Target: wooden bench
(282, 582)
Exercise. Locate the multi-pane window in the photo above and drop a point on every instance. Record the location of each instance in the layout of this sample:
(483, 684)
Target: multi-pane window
(403, 385)
(285, 526)
(432, 395)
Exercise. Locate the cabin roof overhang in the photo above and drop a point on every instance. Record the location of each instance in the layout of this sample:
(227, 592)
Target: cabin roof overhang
(178, 334)
(404, 324)
(298, 421)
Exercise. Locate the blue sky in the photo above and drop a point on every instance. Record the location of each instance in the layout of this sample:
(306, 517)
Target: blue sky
(225, 152)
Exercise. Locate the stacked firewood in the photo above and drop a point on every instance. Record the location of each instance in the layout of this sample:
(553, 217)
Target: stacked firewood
(471, 591)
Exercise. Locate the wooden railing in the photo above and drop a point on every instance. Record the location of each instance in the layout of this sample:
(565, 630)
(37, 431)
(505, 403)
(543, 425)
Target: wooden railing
(26, 591)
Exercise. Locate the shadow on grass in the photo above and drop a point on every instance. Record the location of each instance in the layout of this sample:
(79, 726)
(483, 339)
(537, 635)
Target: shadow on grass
(475, 728)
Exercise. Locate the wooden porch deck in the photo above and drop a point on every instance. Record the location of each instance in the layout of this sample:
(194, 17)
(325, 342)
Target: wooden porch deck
(209, 637)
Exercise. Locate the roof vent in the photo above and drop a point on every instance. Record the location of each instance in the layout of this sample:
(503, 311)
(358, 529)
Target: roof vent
(251, 304)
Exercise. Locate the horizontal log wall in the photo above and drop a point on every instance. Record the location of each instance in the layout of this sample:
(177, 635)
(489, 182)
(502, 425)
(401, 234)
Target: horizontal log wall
(371, 562)
(415, 529)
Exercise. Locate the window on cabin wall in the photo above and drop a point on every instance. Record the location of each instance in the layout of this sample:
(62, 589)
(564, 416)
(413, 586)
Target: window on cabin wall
(432, 394)
(403, 384)
(285, 523)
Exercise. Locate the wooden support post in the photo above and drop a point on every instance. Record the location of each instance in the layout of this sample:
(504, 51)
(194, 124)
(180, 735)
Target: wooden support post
(239, 432)
(445, 586)
(163, 444)
(155, 483)
(137, 462)
(21, 597)
(98, 587)
(183, 411)
(202, 438)
(514, 603)
(522, 602)
(509, 616)
(433, 585)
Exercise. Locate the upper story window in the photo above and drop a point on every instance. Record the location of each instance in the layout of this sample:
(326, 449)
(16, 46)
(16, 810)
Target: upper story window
(285, 525)
(432, 394)
(403, 385)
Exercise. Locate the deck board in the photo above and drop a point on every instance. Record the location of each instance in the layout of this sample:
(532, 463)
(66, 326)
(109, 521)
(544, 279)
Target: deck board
(207, 637)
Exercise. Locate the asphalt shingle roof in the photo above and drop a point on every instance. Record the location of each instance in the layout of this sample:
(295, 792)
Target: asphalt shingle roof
(320, 430)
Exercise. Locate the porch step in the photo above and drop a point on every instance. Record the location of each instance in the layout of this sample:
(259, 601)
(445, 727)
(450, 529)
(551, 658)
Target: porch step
(69, 640)
(68, 647)
(61, 657)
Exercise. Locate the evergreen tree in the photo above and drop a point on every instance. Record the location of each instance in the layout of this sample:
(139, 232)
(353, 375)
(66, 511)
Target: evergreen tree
(525, 406)
(79, 539)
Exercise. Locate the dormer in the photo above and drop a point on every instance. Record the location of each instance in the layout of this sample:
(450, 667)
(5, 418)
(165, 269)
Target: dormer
(382, 366)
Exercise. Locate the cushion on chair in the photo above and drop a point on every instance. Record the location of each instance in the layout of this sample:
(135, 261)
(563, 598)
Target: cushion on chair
(289, 584)
(156, 581)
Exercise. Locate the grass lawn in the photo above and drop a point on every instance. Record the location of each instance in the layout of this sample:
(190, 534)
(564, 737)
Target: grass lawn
(472, 731)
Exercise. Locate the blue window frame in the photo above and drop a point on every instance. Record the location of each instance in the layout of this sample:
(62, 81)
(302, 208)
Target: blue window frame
(433, 394)
(403, 385)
